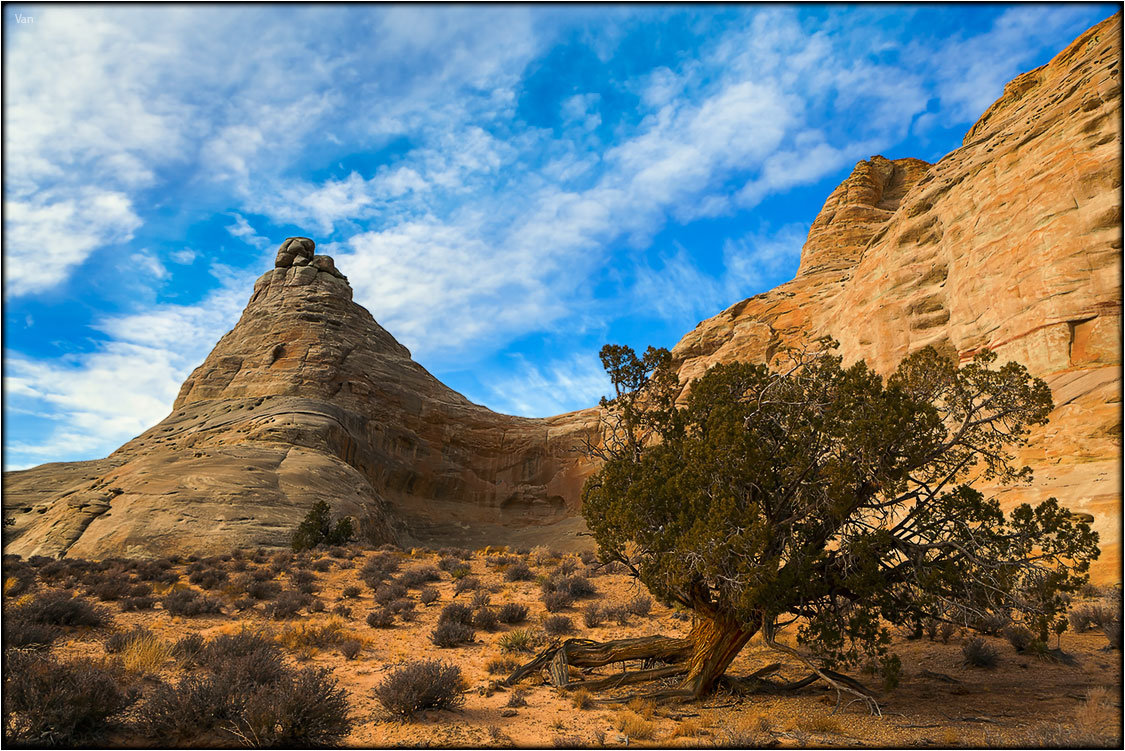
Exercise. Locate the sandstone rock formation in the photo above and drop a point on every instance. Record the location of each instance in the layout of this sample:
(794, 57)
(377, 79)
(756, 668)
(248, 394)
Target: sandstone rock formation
(308, 398)
(1011, 242)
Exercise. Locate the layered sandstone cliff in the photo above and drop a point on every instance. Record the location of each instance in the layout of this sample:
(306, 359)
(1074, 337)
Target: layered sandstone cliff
(1011, 242)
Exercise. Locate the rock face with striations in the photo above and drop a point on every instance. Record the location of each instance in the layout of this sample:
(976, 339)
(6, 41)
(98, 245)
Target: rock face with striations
(308, 399)
(1011, 242)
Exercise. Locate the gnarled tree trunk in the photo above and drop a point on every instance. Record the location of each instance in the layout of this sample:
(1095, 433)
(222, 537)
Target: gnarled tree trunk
(715, 643)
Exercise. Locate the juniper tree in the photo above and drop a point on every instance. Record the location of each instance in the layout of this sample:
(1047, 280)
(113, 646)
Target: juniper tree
(317, 529)
(826, 497)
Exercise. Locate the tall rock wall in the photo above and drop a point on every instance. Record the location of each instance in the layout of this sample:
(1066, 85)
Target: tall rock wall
(1010, 243)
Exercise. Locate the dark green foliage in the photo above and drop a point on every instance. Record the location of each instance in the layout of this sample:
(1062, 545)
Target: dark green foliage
(829, 493)
(55, 608)
(191, 602)
(422, 684)
(978, 653)
(60, 703)
(317, 529)
(512, 612)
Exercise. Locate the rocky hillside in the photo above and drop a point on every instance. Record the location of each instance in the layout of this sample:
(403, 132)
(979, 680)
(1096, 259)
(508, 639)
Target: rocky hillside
(307, 399)
(1011, 242)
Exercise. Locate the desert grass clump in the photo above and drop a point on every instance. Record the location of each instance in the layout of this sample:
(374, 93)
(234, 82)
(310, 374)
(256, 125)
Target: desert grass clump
(1084, 618)
(251, 656)
(502, 665)
(978, 653)
(129, 604)
(558, 625)
(619, 614)
(582, 699)
(351, 592)
(316, 635)
(428, 595)
(51, 703)
(420, 685)
(512, 612)
(518, 640)
(480, 600)
(634, 726)
(145, 653)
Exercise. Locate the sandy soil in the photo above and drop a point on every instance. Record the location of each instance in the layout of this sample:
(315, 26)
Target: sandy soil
(1024, 701)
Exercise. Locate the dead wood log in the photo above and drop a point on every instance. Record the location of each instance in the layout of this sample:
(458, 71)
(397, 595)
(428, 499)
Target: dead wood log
(558, 658)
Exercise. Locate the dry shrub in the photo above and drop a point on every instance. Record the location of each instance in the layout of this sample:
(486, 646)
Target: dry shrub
(60, 703)
(512, 612)
(518, 572)
(640, 605)
(382, 618)
(189, 602)
(978, 653)
(187, 649)
(642, 706)
(452, 634)
(747, 731)
(350, 648)
(319, 635)
(419, 685)
(428, 595)
(61, 609)
(517, 699)
(820, 724)
(558, 625)
(556, 601)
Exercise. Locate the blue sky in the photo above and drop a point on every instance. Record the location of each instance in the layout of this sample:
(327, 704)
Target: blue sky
(506, 187)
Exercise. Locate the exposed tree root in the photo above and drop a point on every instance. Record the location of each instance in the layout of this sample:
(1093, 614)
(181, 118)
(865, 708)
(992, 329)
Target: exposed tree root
(842, 683)
(559, 658)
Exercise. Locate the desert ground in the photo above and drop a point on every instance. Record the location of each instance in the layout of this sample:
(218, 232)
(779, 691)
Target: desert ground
(315, 607)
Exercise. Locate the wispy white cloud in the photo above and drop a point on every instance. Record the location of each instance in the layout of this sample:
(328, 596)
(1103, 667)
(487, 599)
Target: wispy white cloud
(550, 388)
(97, 400)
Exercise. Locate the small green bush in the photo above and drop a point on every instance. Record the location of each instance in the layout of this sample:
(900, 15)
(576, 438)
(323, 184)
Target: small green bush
(317, 529)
